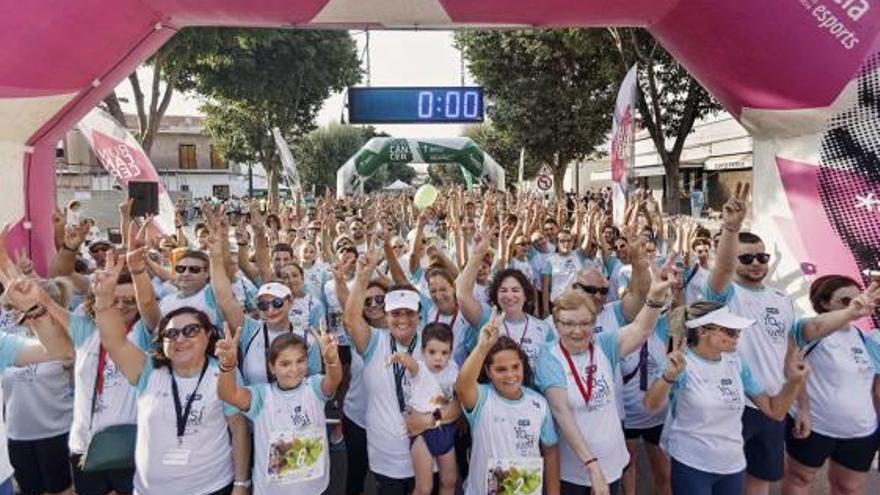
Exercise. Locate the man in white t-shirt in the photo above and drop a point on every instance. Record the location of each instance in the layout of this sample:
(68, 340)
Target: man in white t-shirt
(737, 279)
(697, 275)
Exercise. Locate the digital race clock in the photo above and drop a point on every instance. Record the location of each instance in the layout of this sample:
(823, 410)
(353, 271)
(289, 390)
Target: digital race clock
(395, 105)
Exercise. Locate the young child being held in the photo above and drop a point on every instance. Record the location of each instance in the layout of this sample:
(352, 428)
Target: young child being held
(290, 434)
(432, 384)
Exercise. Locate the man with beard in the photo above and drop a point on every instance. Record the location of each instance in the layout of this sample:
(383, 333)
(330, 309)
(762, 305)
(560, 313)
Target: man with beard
(737, 280)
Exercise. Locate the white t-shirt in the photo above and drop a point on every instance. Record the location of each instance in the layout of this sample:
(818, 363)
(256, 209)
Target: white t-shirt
(507, 434)
(202, 462)
(598, 420)
(697, 285)
(563, 271)
(306, 312)
(763, 345)
(704, 427)
(432, 390)
(290, 438)
(387, 440)
(840, 383)
(462, 337)
(117, 403)
(315, 276)
(355, 405)
(38, 398)
(10, 345)
(531, 334)
(526, 268)
(202, 300)
(636, 382)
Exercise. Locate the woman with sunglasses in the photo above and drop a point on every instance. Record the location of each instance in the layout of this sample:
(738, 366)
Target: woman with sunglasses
(274, 303)
(835, 418)
(579, 376)
(354, 409)
(707, 383)
(183, 437)
(387, 387)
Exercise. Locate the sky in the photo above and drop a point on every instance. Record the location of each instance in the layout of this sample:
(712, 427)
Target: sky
(397, 58)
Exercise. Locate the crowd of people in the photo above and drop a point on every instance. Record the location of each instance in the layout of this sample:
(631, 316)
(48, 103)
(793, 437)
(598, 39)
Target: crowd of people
(488, 343)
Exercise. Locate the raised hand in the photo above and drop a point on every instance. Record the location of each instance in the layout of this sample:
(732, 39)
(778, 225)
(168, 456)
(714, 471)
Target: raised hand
(328, 345)
(23, 262)
(59, 217)
(663, 278)
(226, 349)
(125, 208)
(74, 237)
(675, 362)
(735, 209)
(404, 359)
(490, 332)
(865, 303)
(104, 281)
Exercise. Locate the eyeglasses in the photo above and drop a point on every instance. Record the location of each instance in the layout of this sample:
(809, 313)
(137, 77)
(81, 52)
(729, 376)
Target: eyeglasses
(592, 289)
(194, 269)
(747, 259)
(574, 324)
(264, 304)
(188, 331)
(375, 301)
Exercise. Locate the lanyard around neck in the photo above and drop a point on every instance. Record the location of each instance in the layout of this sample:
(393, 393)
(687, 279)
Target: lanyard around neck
(586, 391)
(182, 413)
(399, 370)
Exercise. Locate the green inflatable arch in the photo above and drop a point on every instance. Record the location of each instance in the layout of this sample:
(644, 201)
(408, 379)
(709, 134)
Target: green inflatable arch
(460, 151)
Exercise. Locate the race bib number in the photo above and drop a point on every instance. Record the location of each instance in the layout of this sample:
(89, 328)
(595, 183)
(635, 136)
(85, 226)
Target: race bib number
(176, 457)
(296, 457)
(515, 476)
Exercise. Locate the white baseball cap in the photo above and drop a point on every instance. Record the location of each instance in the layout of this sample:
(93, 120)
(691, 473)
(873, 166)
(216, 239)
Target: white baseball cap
(274, 289)
(722, 317)
(402, 299)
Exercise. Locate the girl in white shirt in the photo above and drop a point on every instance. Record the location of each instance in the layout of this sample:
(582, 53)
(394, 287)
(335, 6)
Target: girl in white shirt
(703, 434)
(835, 417)
(514, 441)
(290, 435)
(183, 436)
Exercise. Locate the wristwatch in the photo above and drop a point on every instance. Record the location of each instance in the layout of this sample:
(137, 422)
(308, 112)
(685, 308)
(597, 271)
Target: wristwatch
(242, 484)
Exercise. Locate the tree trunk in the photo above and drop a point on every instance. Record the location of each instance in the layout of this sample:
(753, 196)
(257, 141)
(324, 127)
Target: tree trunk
(114, 108)
(672, 198)
(558, 179)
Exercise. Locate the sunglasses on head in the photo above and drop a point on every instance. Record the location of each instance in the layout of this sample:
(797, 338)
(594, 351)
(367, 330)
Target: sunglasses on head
(194, 269)
(264, 304)
(592, 290)
(378, 300)
(188, 331)
(747, 259)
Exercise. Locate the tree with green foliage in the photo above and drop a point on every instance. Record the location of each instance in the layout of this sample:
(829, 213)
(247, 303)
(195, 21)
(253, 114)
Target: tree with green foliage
(670, 101)
(504, 149)
(552, 89)
(259, 79)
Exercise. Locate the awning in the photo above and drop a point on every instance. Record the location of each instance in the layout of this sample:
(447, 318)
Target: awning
(729, 162)
(653, 171)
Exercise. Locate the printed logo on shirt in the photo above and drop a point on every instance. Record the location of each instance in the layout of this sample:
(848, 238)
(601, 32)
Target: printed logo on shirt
(773, 324)
(730, 393)
(25, 374)
(300, 419)
(861, 360)
(525, 439)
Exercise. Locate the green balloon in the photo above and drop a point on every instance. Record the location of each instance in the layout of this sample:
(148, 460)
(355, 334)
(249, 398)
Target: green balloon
(425, 196)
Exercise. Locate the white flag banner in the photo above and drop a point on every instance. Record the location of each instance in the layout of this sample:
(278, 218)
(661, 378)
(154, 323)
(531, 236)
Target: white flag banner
(522, 165)
(287, 160)
(622, 150)
(124, 158)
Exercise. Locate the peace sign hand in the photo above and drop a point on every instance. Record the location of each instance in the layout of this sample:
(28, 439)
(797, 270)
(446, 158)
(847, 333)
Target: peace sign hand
(104, 281)
(736, 208)
(662, 279)
(490, 333)
(675, 362)
(328, 345)
(226, 349)
(865, 303)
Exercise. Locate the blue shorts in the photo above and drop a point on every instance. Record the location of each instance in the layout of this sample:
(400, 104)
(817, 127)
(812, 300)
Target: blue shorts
(440, 440)
(686, 480)
(764, 440)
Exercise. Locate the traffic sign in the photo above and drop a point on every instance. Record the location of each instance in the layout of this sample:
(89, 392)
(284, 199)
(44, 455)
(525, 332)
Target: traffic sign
(545, 182)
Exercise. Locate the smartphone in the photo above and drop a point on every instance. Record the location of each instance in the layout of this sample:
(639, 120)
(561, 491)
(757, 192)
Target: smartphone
(145, 196)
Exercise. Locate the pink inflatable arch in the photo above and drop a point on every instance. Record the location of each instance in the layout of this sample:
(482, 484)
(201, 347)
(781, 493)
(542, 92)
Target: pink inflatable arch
(786, 69)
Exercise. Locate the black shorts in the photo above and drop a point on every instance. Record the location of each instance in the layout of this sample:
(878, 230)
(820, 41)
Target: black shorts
(764, 440)
(813, 451)
(651, 435)
(100, 482)
(40, 465)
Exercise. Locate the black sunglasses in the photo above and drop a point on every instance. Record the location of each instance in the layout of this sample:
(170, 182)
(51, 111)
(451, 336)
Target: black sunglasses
(592, 290)
(375, 301)
(188, 331)
(747, 259)
(194, 269)
(264, 305)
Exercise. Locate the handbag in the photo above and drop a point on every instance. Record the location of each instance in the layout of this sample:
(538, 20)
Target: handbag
(111, 447)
